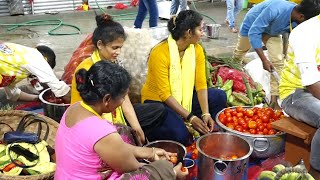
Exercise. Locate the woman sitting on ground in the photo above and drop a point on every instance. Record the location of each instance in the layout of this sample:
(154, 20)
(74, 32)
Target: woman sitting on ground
(108, 38)
(84, 142)
(176, 77)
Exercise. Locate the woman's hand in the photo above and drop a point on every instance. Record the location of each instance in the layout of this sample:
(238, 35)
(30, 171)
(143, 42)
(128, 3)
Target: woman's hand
(199, 125)
(161, 154)
(140, 135)
(180, 174)
(207, 119)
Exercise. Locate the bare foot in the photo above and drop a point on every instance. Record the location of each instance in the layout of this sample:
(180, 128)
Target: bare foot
(226, 22)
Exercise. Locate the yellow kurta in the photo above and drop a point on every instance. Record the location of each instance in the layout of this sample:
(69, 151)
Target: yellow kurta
(116, 117)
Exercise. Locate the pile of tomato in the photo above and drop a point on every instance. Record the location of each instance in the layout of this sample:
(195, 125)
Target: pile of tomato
(250, 120)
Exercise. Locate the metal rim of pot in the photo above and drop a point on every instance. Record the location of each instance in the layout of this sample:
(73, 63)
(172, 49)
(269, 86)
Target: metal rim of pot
(46, 102)
(240, 133)
(225, 133)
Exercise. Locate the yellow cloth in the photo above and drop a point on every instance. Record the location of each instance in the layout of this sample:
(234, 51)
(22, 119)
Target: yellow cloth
(43, 166)
(290, 79)
(157, 85)
(11, 63)
(116, 117)
(182, 73)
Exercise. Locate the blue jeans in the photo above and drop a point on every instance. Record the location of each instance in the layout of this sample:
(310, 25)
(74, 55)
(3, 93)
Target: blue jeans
(144, 6)
(303, 106)
(173, 127)
(233, 9)
(175, 6)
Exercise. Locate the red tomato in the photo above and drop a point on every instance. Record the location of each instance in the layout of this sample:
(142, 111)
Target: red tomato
(260, 127)
(260, 133)
(245, 126)
(239, 114)
(259, 121)
(239, 109)
(265, 118)
(228, 114)
(252, 131)
(233, 112)
(174, 159)
(252, 125)
(271, 132)
(235, 119)
(241, 121)
(265, 131)
(269, 126)
(229, 119)
(222, 116)
(230, 125)
(227, 110)
(239, 128)
(245, 131)
(249, 112)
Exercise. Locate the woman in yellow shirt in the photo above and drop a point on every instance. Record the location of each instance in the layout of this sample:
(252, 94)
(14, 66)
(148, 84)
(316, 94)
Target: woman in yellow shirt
(176, 78)
(108, 38)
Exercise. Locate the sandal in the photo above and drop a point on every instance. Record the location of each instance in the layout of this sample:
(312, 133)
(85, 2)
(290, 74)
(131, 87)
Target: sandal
(233, 29)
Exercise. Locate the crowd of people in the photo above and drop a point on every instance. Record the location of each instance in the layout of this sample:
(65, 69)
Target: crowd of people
(175, 98)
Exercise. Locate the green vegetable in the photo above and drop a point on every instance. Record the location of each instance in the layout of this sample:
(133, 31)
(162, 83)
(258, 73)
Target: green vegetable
(278, 168)
(267, 175)
(241, 97)
(227, 85)
(248, 88)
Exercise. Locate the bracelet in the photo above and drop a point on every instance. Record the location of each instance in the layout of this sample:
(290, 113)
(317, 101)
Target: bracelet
(191, 119)
(205, 114)
(189, 116)
(153, 154)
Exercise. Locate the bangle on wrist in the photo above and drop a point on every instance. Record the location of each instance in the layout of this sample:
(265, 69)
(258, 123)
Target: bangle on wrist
(153, 154)
(189, 116)
(205, 114)
(191, 119)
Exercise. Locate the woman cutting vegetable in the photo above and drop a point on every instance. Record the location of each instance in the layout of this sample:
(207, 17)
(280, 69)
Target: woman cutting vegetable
(85, 143)
(176, 78)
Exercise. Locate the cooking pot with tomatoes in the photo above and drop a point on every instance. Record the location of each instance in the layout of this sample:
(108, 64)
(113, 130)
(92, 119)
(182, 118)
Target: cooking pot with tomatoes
(53, 107)
(223, 156)
(254, 125)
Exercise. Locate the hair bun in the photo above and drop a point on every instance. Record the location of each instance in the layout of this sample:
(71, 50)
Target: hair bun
(103, 19)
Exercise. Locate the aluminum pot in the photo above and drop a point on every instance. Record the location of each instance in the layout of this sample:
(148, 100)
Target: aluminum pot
(264, 146)
(170, 146)
(211, 165)
(52, 110)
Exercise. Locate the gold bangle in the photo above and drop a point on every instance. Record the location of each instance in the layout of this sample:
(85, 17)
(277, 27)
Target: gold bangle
(153, 154)
(191, 119)
(205, 114)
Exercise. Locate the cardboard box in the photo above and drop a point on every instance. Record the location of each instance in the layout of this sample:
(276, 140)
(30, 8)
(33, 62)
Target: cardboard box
(298, 139)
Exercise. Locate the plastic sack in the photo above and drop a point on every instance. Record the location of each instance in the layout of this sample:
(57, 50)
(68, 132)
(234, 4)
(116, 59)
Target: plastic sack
(84, 51)
(238, 85)
(134, 56)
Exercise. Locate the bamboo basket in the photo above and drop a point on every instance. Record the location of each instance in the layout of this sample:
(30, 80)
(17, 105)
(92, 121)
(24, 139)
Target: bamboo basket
(12, 118)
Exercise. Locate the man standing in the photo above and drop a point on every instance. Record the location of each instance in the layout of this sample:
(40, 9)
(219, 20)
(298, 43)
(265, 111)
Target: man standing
(264, 23)
(300, 82)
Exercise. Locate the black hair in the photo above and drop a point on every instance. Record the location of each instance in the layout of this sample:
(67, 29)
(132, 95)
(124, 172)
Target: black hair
(107, 30)
(49, 54)
(309, 8)
(185, 20)
(101, 79)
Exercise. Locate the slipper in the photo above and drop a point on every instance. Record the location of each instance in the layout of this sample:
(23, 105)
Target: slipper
(234, 30)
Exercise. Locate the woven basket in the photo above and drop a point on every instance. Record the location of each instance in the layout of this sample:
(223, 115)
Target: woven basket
(13, 118)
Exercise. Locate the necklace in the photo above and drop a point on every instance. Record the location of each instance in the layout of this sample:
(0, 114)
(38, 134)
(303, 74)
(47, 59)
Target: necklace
(84, 105)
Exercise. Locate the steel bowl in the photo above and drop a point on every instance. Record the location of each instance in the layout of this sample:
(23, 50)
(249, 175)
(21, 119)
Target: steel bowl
(52, 110)
(170, 146)
(264, 146)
